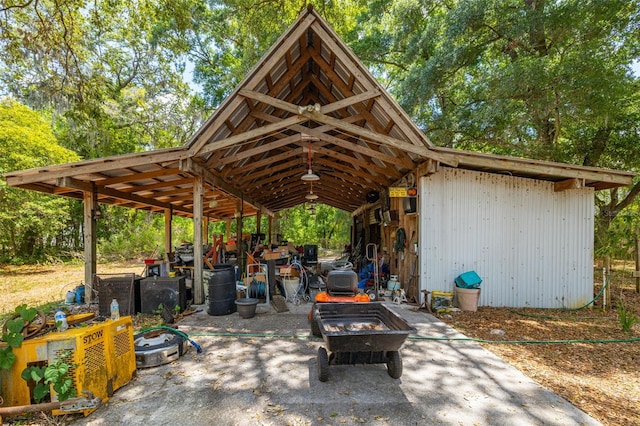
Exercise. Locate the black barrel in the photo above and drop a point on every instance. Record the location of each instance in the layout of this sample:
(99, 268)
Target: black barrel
(222, 290)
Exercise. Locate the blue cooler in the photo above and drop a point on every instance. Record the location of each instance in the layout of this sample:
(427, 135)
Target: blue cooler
(468, 280)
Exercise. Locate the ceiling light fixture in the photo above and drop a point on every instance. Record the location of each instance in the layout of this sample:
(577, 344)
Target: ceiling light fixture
(309, 176)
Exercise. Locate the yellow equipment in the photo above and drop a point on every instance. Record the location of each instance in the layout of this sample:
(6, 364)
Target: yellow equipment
(101, 359)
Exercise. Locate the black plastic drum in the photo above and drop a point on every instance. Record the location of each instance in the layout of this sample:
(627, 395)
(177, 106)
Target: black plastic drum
(222, 290)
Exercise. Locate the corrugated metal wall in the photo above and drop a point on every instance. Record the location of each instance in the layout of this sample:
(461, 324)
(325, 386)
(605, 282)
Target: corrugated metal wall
(532, 246)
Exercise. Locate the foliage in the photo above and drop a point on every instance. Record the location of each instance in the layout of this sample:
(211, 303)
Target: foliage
(546, 80)
(626, 317)
(55, 375)
(329, 227)
(101, 71)
(543, 80)
(13, 336)
(126, 233)
(229, 36)
(30, 222)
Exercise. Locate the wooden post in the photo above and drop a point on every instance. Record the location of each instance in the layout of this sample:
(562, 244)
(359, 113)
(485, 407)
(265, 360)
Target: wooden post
(637, 270)
(242, 265)
(168, 217)
(205, 230)
(607, 293)
(228, 229)
(90, 200)
(365, 224)
(198, 197)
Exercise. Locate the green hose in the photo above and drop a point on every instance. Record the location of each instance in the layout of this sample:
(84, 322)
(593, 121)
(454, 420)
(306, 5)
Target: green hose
(606, 283)
(175, 331)
(448, 339)
(526, 342)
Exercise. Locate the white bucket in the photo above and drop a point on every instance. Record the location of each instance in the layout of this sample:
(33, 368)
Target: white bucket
(290, 286)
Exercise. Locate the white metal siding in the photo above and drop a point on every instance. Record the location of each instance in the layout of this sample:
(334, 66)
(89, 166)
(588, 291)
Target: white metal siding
(530, 245)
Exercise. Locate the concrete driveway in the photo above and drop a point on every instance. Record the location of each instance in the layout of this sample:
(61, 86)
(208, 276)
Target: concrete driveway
(246, 376)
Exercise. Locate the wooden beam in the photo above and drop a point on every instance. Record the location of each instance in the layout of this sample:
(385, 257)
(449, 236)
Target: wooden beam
(422, 151)
(273, 55)
(294, 109)
(134, 189)
(362, 75)
(199, 170)
(269, 100)
(265, 172)
(259, 150)
(427, 168)
(351, 146)
(252, 134)
(348, 101)
(69, 182)
(319, 132)
(567, 184)
(93, 166)
(138, 199)
(139, 176)
(536, 168)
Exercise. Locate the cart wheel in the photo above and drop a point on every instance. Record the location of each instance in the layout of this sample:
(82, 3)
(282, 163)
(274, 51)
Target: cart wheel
(323, 365)
(394, 364)
(372, 295)
(315, 328)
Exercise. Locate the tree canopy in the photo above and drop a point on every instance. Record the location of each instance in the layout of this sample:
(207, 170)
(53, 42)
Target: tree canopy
(29, 221)
(545, 79)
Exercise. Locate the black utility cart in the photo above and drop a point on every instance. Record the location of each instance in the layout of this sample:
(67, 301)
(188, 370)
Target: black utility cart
(360, 333)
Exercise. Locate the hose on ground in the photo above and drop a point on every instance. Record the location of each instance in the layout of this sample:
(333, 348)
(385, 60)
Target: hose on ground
(177, 332)
(444, 338)
(606, 283)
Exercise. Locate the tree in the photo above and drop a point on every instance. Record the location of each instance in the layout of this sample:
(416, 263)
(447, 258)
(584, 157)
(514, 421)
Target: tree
(540, 79)
(229, 37)
(329, 227)
(31, 223)
(103, 71)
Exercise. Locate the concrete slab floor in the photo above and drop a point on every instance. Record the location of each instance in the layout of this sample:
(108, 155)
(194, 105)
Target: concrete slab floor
(262, 371)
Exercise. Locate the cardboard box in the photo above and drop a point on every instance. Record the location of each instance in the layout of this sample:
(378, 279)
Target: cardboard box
(272, 255)
(289, 271)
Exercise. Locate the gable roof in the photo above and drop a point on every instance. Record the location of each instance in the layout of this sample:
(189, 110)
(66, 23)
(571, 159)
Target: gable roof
(308, 90)
(310, 85)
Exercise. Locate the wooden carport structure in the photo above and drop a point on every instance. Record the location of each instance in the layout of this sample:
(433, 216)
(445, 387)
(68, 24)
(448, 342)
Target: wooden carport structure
(309, 103)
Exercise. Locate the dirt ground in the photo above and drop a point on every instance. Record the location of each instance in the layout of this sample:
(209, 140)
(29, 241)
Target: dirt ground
(584, 355)
(36, 285)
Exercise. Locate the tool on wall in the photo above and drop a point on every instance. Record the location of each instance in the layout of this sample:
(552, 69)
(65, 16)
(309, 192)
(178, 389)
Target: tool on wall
(401, 238)
(412, 289)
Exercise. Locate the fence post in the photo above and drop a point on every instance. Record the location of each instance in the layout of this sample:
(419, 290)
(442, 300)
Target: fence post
(636, 273)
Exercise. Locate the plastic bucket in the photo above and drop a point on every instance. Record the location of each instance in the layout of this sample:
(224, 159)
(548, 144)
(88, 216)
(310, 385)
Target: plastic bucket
(222, 290)
(246, 307)
(80, 294)
(290, 286)
(468, 298)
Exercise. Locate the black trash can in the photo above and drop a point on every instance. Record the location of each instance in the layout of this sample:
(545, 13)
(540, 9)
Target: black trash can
(222, 290)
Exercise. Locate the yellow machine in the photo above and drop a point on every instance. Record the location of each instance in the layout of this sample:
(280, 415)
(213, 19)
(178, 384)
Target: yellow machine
(101, 358)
